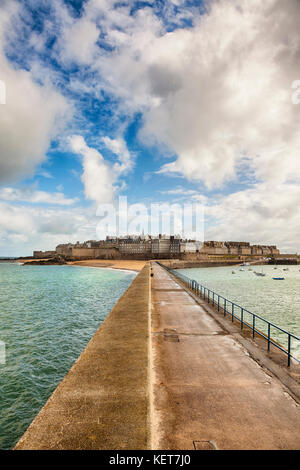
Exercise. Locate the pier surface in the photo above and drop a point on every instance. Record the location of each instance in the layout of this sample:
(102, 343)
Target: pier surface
(162, 373)
(207, 390)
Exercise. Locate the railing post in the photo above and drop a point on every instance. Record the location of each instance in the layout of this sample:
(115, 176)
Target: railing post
(242, 318)
(208, 291)
(269, 330)
(213, 299)
(253, 326)
(218, 303)
(225, 302)
(232, 312)
(289, 351)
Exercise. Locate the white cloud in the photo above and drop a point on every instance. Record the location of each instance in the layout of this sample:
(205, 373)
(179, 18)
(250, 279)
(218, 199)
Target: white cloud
(45, 174)
(217, 94)
(180, 191)
(27, 228)
(227, 93)
(98, 176)
(34, 196)
(79, 38)
(31, 116)
(118, 147)
(262, 214)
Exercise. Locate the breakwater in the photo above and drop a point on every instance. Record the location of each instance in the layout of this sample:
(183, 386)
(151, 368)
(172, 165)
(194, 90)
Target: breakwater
(163, 372)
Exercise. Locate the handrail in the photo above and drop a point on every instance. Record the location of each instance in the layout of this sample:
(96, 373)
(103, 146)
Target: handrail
(205, 293)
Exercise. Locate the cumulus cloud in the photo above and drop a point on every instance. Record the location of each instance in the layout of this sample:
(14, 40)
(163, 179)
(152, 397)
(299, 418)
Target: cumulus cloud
(79, 39)
(31, 115)
(217, 94)
(228, 95)
(119, 148)
(24, 228)
(258, 215)
(99, 176)
(34, 196)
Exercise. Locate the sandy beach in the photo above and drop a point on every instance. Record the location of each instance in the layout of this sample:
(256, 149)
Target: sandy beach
(130, 265)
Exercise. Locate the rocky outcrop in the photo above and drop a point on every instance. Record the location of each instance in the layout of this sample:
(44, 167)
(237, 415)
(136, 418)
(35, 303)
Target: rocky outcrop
(56, 260)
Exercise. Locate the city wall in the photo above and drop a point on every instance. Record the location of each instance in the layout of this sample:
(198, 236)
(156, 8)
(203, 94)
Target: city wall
(160, 249)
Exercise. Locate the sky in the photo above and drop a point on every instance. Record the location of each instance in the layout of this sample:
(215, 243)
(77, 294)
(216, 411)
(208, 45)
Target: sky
(173, 101)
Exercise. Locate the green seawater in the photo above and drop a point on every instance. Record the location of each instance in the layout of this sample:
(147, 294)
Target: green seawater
(48, 314)
(276, 301)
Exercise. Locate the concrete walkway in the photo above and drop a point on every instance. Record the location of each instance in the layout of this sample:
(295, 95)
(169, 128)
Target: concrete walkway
(207, 392)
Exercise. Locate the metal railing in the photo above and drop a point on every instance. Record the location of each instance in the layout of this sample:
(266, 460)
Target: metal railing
(232, 308)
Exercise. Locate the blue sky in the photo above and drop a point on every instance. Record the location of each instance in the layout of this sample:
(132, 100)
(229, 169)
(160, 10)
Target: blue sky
(161, 101)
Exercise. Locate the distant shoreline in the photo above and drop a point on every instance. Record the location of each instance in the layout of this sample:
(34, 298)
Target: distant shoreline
(124, 265)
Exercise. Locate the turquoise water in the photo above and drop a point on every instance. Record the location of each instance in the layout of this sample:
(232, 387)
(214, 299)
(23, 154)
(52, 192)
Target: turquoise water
(276, 301)
(48, 314)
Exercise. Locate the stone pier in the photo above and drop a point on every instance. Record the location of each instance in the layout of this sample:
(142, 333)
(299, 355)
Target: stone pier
(162, 373)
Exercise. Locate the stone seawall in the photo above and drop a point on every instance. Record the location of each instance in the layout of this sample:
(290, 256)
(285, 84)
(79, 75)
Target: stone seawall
(178, 264)
(102, 403)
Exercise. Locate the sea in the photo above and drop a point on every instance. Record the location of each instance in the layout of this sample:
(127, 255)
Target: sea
(48, 314)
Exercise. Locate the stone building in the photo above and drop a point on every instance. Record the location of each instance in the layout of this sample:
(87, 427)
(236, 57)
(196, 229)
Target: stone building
(160, 246)
(214, 248)
(190, 247)
(174, 245)
(135, 247)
